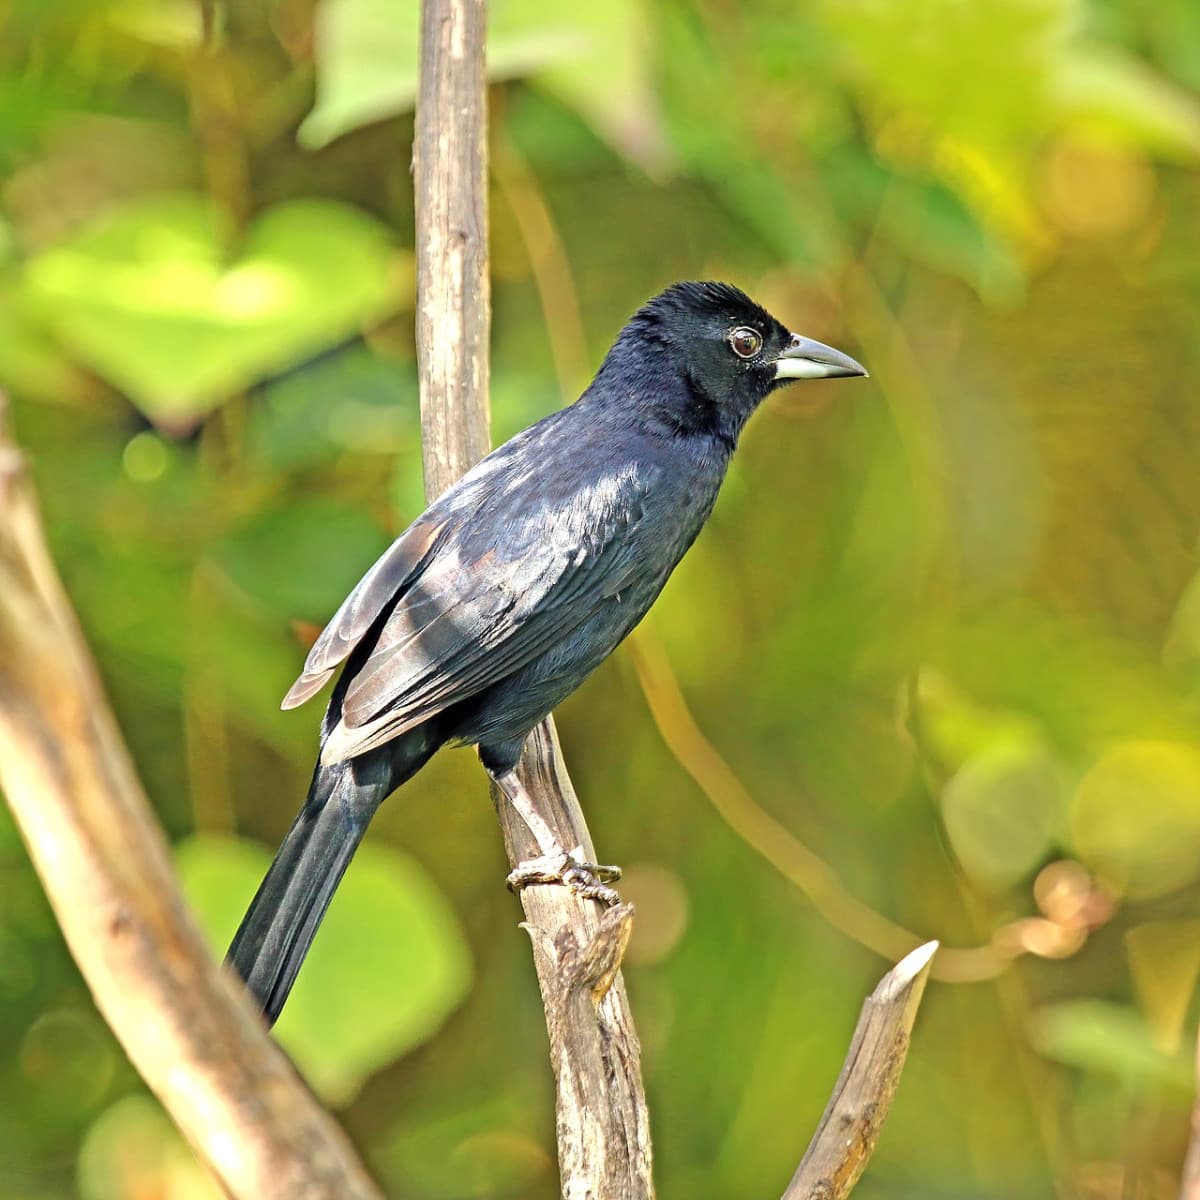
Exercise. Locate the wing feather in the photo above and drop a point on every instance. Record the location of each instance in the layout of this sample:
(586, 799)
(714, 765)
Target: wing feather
(474, 614)
(359, 611)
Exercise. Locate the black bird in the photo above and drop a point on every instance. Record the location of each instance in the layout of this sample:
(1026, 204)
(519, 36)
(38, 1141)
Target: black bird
(511, 588)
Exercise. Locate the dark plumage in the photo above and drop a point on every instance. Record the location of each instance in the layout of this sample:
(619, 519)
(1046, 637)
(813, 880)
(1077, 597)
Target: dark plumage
(501, 598)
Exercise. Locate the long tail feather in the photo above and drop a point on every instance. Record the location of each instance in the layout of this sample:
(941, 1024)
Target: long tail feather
(282, 920)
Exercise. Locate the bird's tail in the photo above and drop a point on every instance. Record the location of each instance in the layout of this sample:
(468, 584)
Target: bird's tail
(283, 917)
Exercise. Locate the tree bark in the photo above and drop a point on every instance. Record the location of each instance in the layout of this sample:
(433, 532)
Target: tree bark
(188, 1029)
(849, 1128)
(602, 1124)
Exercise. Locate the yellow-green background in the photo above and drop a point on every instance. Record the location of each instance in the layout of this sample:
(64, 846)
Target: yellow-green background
(944, 628)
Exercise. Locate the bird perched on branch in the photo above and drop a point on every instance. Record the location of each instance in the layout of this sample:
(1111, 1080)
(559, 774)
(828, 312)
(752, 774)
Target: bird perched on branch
(512, 587)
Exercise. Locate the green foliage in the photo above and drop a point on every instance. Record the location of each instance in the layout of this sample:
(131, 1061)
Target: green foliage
(388, 969)
(152, 300)
(1136, 817)
(260, 557)
(1097, 1035)
(1003, 811)
(944, 627)
(593, 57)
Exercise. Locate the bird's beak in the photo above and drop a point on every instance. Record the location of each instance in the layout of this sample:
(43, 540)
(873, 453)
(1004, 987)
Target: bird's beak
(805, 359)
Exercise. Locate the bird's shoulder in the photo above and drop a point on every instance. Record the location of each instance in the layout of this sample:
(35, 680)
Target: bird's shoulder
(562, 480)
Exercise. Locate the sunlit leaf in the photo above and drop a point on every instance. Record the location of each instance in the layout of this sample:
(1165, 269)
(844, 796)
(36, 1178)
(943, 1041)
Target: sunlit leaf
(387, 968)
(594, 57)
(30, 363)
(966, 92)
(932, 224)
(956, 729)
(606, 77)
(151, 300)
(1102, 91)
(174, 23)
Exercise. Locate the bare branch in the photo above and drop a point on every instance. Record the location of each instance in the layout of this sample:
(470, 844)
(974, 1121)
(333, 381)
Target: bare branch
(453, 288)
(103, 861)
(862, 1096)
(602, 1124)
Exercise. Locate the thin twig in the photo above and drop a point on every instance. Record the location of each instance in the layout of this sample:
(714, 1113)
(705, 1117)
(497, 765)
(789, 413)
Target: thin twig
(602, 1123)
(104, 864)
(862, 1096)
(795, 861)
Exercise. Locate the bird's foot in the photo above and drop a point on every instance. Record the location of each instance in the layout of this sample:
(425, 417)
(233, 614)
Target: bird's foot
(585, 879)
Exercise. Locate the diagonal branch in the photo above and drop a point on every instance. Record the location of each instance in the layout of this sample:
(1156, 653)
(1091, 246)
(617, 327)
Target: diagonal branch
(850, 1125)
(103, 861)
(602, 1124)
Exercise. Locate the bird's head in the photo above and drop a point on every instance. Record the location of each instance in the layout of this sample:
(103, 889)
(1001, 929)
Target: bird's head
(728, 352)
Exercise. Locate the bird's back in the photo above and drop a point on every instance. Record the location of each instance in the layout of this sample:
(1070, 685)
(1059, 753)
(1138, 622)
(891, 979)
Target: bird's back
(533, 567)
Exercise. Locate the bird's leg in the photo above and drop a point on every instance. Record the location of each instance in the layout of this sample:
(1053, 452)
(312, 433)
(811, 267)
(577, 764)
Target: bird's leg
(554, 864)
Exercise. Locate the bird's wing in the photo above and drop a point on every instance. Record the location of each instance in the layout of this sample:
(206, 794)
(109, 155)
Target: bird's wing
(479, 608)
(359, 611)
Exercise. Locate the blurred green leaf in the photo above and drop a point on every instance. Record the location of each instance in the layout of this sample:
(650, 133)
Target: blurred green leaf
(351, 400)
(1136, 817)
(595, 58)
(1098, 1035)
(475, 1150)
(69, 1055)
(1003, 810)
(1105, 92)
(1164, 961)
(1181, 647)
(150, 299)
(965, 93)
(388, 967)
(607, 76)
(957, 729)
(30, 362)
(174, 23)
(302, 560)
(932, 224)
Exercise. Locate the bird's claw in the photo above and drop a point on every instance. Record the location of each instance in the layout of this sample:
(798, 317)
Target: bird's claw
(587, 880)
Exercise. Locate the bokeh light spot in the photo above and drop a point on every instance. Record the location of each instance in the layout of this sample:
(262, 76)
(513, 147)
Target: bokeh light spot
(145, 457)
(661, 901)
(1094, 191)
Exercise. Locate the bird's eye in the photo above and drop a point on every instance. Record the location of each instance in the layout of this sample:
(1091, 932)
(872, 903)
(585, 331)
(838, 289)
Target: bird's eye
(746, 342)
